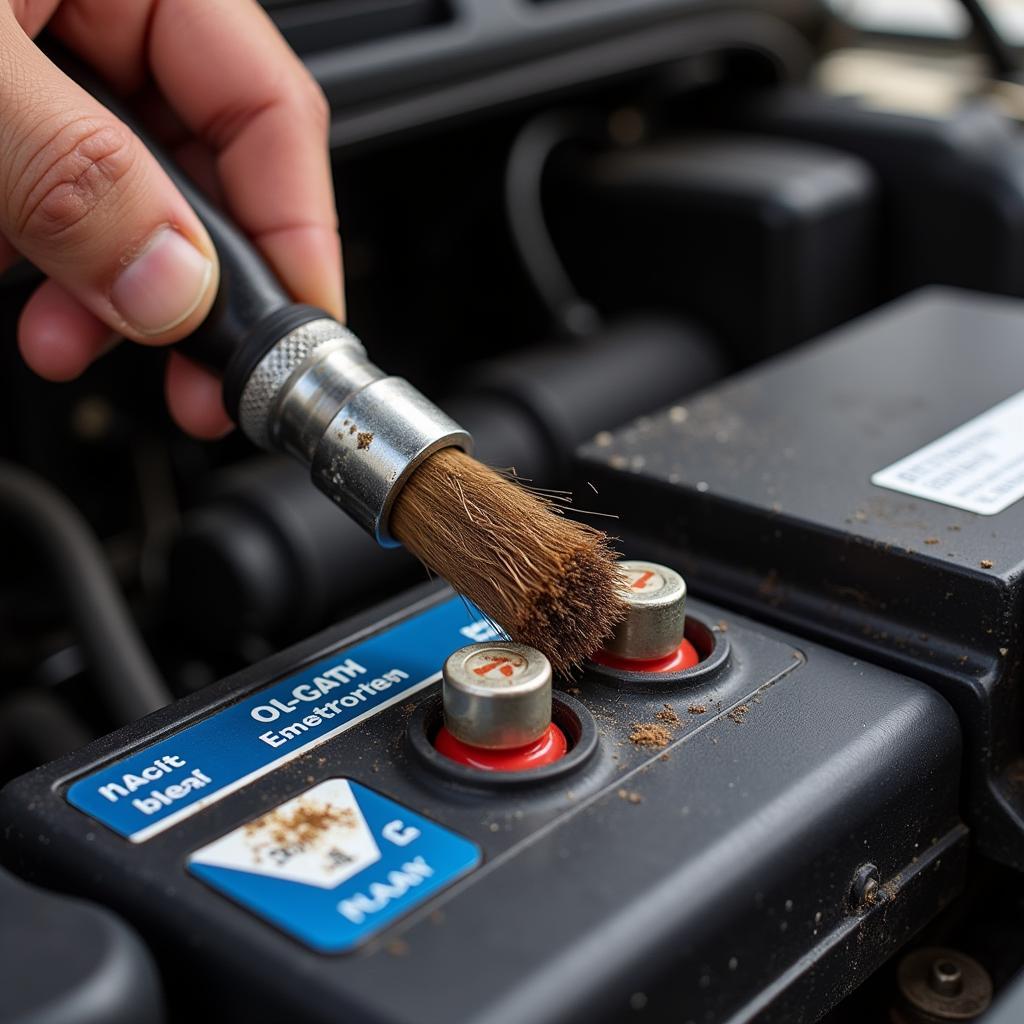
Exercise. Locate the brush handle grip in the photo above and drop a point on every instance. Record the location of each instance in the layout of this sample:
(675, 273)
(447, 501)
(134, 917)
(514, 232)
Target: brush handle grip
(308, 387)
(252, 310)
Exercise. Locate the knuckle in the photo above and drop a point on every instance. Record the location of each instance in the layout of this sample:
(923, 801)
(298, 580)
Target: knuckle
(310, 99)
(70, 176)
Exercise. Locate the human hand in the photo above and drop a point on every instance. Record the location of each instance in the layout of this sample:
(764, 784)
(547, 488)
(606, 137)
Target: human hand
(83, 200)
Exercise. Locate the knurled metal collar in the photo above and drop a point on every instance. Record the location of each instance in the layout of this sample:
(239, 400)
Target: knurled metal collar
(655, 621)
(264, 385)
(497, 694)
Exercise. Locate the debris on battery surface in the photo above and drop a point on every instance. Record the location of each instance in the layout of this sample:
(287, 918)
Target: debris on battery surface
(668, 715)
(650, 734)
(302, 825)
(739, 713)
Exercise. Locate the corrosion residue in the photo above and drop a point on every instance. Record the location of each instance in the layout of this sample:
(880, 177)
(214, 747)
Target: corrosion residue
(739, 713)
(301, 825)
(364, 439)
(697, 709)
(668, 715)
(630, 796)
(650, 734)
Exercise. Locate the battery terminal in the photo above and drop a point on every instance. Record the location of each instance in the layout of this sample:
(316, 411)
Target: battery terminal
(651, 637)
(497, 708)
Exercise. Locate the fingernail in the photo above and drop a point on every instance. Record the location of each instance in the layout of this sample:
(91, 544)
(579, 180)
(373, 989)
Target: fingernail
(163, 284)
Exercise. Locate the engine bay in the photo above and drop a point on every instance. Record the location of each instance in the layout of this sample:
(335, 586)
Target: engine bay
(679, 261)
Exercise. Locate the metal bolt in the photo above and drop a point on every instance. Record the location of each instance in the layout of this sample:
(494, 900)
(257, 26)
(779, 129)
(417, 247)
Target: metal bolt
(945, 977)
(865, 886)
(943, 985)
(655, 622)
(497, 695)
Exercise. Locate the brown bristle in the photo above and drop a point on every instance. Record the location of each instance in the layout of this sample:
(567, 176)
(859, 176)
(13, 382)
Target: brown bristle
(547, 581)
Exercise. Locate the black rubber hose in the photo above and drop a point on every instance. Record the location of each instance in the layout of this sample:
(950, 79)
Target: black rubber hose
(30, 509)
(528, 158)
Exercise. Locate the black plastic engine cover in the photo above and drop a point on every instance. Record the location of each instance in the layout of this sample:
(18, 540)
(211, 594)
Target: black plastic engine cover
(66, 961)
(761, 491)
(722, 874)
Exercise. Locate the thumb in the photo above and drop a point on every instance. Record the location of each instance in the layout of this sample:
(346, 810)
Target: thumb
(83, 199)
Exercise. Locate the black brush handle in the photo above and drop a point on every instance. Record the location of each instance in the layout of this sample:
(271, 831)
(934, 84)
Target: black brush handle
(252, 310)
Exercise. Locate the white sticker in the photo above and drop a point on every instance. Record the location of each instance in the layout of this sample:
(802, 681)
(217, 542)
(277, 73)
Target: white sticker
(320, 838)
(978, 467)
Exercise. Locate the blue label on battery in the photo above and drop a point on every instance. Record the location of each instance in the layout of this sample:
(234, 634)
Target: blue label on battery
(165, 782)
(335, 864)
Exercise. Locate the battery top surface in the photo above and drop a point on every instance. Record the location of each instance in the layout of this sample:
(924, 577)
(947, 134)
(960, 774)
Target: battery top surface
(776, 476)
(352, 873)
(805, 435)
(795, 492)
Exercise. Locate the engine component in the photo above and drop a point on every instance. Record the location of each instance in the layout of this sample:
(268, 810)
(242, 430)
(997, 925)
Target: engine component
(765, 241)
(69, 962)
(573, 390)
(950, 186)
(31, 509)
(942, 985)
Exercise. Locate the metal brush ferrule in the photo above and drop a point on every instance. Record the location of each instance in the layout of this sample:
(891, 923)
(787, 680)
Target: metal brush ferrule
(316, 396)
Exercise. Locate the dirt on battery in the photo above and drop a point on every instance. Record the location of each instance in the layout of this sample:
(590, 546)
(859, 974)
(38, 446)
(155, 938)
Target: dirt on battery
(650, 734)
(302, 825)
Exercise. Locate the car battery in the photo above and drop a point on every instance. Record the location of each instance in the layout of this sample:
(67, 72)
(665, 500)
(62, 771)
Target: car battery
(865, 491)
(734, 823)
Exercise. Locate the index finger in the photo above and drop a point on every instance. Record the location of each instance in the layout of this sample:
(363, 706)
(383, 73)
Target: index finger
(235, 83)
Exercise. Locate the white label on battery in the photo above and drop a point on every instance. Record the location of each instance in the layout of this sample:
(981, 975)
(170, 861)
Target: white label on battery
(978, 467)
(320, 838)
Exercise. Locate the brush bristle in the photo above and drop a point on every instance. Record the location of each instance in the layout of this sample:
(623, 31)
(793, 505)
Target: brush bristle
(547, 581)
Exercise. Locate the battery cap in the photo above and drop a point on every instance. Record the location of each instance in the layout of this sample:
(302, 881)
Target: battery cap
(497, 695)
(655, 620)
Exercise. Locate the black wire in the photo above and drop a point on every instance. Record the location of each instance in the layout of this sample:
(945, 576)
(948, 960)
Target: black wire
(32, 510)
(1005, 63)
(524, 175)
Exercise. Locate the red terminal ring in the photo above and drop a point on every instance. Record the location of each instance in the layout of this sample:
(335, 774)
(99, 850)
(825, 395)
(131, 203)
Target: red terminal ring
(551, 747)
(683, 657)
